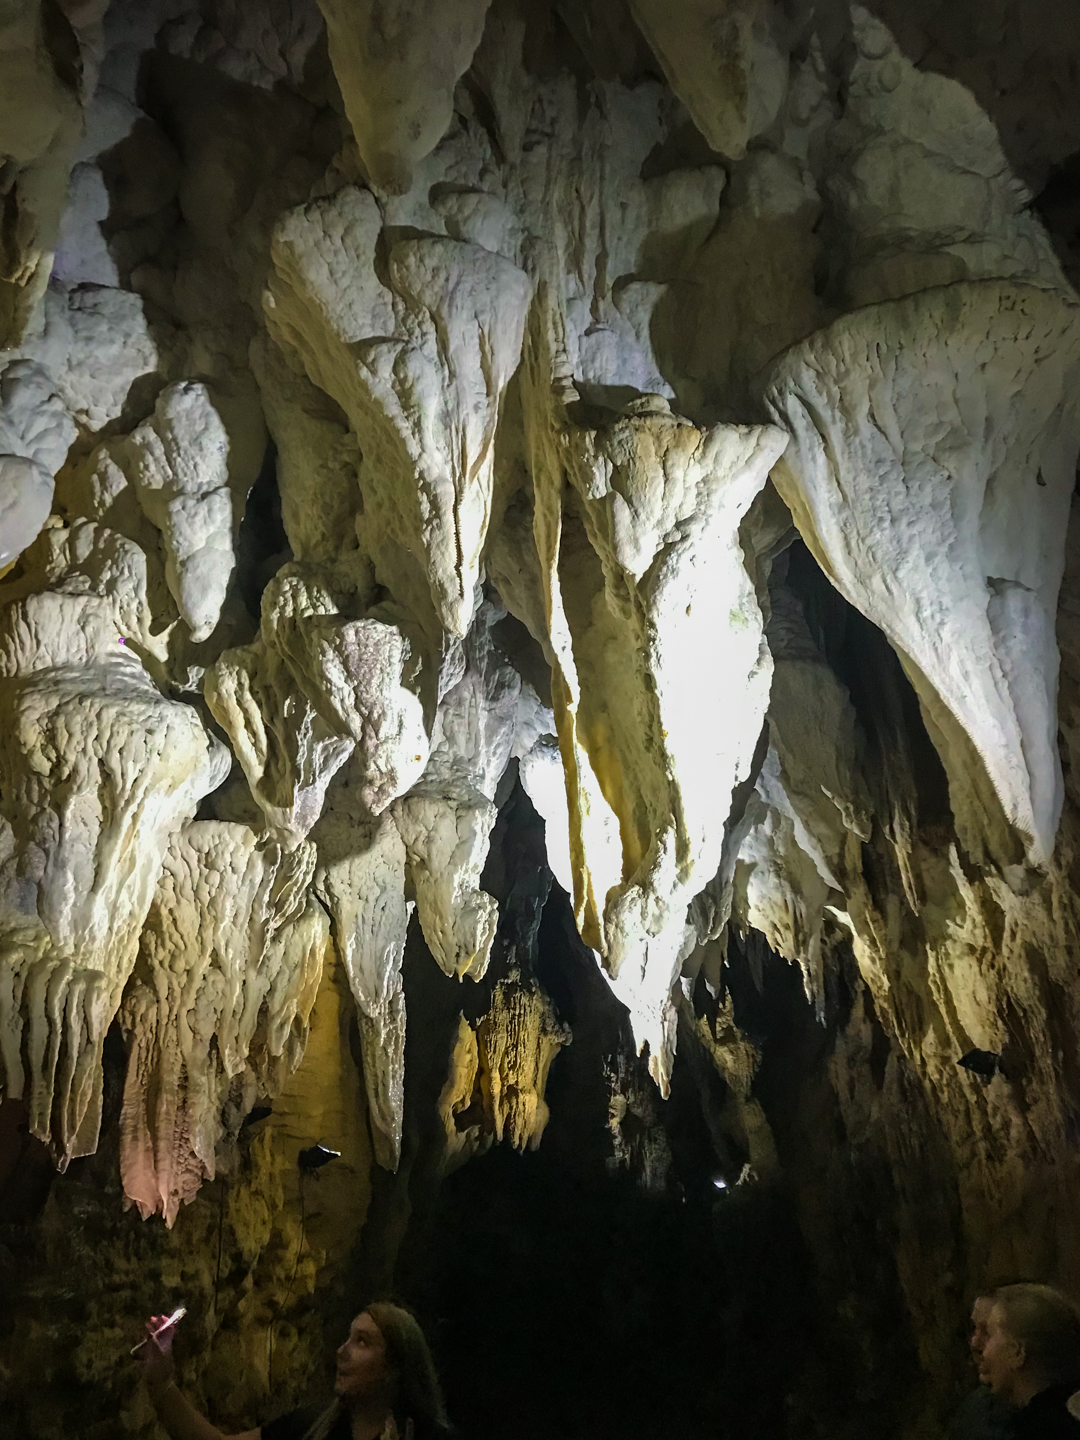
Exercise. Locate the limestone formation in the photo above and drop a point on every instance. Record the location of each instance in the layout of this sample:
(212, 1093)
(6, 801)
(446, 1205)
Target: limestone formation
(313, 689)
(362, 883)
(35, 434)
(391, 527)
(516, 1041)
(779, 892)
(101, 348)
(799, 855)
(498, 1072)
(318, 460)
(446, 819)
(397, 62)
(814, 769)
(543, 780)
(930, 474)
(192, 481)
(215, 942)
(446, 829)
(646, 571)
(40, 120)
(923, 190)
(419, 365)
(99, 771)
(723, 61)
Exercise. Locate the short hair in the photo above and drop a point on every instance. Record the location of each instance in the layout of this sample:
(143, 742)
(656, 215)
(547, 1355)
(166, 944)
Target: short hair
(1047, 1323)
(418, 1394)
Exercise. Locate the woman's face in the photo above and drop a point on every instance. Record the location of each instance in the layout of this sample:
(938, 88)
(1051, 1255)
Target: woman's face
(363, 1372)
(1002, 1357)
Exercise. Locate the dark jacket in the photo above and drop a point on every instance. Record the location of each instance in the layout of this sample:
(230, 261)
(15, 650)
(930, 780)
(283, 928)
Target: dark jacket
(982, 1417)
(1047, 1417)
(296, 1424)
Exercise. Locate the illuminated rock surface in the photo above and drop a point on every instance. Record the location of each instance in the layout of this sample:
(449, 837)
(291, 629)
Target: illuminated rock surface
(99, 770)
(519, 523)
(35, 432)
(662, 634)
(931, 473)
(218, 935)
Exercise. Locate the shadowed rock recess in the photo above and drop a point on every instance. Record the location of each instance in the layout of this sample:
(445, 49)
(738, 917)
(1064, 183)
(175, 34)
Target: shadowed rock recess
(540, 649)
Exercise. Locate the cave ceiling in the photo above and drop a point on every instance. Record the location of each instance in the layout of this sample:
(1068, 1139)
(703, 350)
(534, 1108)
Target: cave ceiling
(408, 405)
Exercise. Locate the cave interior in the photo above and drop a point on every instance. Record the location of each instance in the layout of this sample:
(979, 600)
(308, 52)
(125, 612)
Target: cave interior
(539, 653)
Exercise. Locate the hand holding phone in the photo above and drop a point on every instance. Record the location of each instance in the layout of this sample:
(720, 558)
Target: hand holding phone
(154, 1352)
(161, 1329)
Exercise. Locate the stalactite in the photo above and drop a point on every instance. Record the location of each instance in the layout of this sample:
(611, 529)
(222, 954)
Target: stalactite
(99, 771)
(423, 425)
(214, 942)
(931, 478)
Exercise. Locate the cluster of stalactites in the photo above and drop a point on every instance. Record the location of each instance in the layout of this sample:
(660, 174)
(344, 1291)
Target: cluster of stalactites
(471, 351)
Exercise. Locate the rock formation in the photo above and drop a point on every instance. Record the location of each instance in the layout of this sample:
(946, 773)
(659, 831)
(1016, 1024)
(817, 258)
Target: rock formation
(212, 952)
(426, 428)
(965, 468)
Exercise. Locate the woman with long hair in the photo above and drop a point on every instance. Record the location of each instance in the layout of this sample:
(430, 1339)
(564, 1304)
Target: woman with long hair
(386, 1387)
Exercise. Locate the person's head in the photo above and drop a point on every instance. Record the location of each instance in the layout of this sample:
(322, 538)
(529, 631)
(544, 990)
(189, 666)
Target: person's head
(385, 1360)
(1032, 1341)
(364, 1372)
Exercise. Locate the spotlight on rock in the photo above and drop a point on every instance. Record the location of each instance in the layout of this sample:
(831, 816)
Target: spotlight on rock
(315, 1157)
(719, 1183)
(986, 1063)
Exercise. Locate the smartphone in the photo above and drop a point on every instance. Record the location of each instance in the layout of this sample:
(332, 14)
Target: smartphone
(177, 1314)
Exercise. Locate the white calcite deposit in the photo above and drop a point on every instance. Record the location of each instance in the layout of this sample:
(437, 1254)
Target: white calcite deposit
(658, 420)
(932, 463)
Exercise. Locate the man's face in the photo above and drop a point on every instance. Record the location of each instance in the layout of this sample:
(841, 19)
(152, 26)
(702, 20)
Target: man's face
(362, 1369)
(1001, 1357)
(980, 1314)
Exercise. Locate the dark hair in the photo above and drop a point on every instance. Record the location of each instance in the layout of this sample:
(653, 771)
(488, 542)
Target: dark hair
(1047, 1323)
(417, 1394)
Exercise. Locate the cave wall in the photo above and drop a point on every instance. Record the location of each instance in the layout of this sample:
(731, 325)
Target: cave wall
(467, 464)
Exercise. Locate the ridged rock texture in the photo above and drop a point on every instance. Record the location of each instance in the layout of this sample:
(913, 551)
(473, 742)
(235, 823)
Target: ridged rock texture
(491, 487)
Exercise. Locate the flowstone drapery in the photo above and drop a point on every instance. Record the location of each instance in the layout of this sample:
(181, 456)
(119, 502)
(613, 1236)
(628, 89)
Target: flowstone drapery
(99, 769)
(313, 689)
(224, 938)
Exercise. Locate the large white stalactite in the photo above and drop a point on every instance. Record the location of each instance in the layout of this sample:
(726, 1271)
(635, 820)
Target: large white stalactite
(661, 680)
(935, 442)
(397, 64)
(419, 368)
